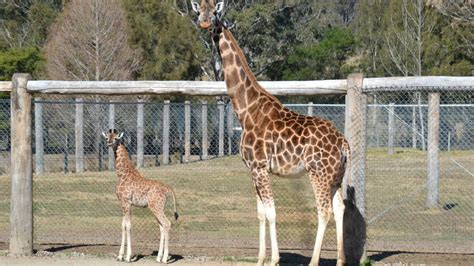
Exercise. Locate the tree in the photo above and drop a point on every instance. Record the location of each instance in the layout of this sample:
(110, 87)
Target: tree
(169, 40)
(89, 41)
(323, 60)
(24, 23)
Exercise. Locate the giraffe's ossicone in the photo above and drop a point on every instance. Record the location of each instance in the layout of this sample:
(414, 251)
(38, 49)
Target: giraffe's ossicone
(134, 190)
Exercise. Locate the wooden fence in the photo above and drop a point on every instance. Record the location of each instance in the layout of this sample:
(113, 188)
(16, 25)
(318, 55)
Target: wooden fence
(22, 90)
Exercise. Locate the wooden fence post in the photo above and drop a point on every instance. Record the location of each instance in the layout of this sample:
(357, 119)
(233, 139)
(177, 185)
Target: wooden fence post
(220, 106)
(21, 210)
(79, 135)
(310, 109)
(230, 127)
(39, 146)
(356, 134)
(140, 133)
(391, 128)
(166, 132)
(187, 131)
(204, 144)
(433, 150)
(111, 126)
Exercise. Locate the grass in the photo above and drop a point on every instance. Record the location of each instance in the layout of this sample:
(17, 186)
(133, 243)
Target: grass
(216, 202)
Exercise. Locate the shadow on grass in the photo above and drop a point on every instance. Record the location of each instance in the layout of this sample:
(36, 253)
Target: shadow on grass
(66, 247)
(384, 254)
(288, 258)
(354, 229)
(172, 258)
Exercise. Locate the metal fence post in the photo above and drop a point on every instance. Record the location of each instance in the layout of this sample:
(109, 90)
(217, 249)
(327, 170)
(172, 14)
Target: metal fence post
(21, 212)
(187, 131)
(356, 134)
(39, 147)
(433, 150)
(220, 106)
(111, 126)
(140, 133)
(230, 127)
(204, 143)
(79, 135)
(166, 132)
(391, 128)
(310, 109)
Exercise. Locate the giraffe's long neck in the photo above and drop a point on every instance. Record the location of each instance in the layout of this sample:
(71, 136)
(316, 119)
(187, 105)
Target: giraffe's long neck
(123, 164)
(247, 96)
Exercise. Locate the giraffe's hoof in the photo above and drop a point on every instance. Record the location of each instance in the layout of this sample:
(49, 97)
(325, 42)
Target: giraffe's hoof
(119, 258)
(128, 259)
(275, 262)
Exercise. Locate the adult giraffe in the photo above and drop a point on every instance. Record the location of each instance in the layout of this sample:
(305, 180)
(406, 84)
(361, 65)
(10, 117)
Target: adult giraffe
(278, 141)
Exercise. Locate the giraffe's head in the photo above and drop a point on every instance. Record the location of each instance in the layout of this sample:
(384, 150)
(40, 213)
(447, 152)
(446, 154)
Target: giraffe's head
(112, 137)
(208, 12)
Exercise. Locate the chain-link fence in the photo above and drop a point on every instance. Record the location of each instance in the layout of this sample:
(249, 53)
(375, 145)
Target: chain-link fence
(411, 206)
(194, 148)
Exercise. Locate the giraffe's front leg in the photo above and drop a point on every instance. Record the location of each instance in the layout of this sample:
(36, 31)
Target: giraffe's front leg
(126, 227)
(122, 243)
(261, 219)
(265, 209)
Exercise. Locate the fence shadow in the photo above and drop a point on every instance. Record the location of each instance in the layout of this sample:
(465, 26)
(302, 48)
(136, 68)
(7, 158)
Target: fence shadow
(60, 248)
(354, 229)
(289, 258)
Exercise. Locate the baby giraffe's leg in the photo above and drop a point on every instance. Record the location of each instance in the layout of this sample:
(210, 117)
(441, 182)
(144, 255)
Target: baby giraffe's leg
(122, 243)
(166, 230)
(158, 209)
(160, 251)
(128, 226)
(125, 221)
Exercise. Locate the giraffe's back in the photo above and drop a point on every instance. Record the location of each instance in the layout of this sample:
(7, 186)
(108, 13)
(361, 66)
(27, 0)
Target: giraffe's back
(293, 144)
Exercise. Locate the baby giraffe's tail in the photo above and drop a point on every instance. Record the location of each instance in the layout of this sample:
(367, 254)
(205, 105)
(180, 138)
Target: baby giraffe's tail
(176, 215)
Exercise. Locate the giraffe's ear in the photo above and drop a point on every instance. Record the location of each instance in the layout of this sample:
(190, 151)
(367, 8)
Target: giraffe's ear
(120, 135)
(219, 7)
(195, 6)
(103, 134)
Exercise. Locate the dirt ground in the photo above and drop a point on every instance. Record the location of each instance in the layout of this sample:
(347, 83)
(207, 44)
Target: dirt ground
(49, 255)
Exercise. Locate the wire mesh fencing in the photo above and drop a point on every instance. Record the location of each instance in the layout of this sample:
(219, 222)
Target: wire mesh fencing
(193, 147)
(420, 171)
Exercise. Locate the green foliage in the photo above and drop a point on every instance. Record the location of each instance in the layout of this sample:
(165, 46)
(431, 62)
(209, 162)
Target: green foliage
(169, 40)
(27, 60)
(25, 23)
(389, 43)
(322, 60)
(267, 31)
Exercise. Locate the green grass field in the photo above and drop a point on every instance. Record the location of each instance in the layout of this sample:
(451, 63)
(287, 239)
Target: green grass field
(217, 207)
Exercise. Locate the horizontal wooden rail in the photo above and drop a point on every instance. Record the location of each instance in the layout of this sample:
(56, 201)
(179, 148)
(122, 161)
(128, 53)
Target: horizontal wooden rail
(429, 83)
(5, 86)
(203, 88)
(213, 88)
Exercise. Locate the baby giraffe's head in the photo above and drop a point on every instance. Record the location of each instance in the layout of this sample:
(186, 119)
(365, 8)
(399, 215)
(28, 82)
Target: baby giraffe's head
(208, 12)
(113, 138)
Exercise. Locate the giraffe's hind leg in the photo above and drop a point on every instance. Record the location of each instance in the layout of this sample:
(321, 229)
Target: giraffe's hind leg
(158, 209)
(338, 207)
(323, 194)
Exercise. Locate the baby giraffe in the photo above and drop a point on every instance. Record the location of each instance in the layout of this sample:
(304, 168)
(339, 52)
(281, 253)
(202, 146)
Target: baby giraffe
(133, 189)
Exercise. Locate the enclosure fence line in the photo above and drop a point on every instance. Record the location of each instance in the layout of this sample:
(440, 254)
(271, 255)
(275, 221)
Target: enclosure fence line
(355, 88)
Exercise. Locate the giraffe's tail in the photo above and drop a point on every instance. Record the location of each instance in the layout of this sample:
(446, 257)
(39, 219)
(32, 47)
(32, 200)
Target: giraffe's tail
(350, 191)
(176, 215)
